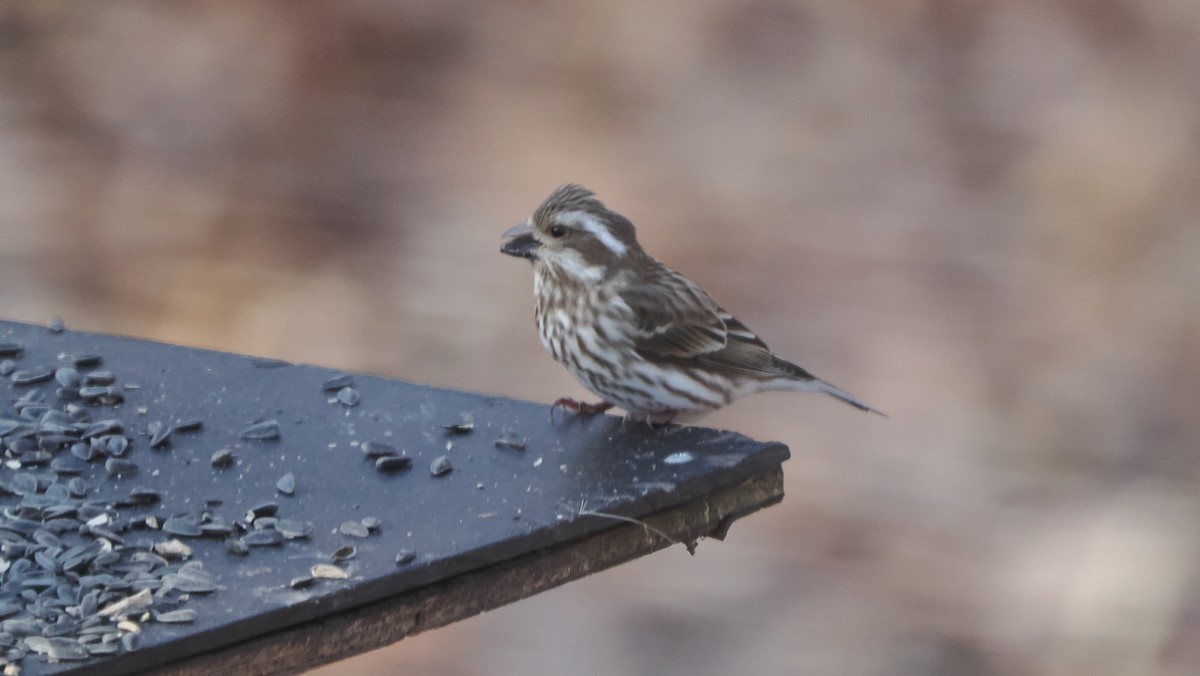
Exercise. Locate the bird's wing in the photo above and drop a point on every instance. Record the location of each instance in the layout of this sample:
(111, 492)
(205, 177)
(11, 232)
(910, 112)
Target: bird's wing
(672, 317)
(677, 321)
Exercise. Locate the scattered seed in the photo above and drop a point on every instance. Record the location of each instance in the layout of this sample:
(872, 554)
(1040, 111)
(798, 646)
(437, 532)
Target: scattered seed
(11, 349)
(464, 427)
(263, 538)
(440, 466)
(262, 431)
(99, 378)
(160, 434)
(116, 445)
(237, 547)
(262, 509)
(511, 441)
(181, 616)
(188, 425)
(405, 556)
(292, 529)
(354, 529)
(57, 649)
(67, 377)
(222, 458)
(144, 496)
(7, 366)
(372, 523)
(338, 382)
(286, 484)
(183, 526)
(302, 582)
(131, 642)
(348, 396)
(87, 360)
(344, 553)
(120, 468)
(31, 376)
(393, 463)
(174, 550)
(377, 449)
(325, 571)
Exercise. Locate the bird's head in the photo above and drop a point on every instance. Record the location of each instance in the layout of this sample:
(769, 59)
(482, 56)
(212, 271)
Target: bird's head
(572, 233)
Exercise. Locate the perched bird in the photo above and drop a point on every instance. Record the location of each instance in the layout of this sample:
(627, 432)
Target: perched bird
(638, 334)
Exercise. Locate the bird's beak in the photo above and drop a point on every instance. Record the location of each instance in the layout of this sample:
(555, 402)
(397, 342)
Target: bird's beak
(522, 244)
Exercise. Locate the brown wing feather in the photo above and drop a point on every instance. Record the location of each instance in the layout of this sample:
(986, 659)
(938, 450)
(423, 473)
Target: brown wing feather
(678, 322)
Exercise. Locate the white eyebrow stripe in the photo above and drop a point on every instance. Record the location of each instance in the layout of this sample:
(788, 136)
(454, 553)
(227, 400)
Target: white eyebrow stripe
(590, 223)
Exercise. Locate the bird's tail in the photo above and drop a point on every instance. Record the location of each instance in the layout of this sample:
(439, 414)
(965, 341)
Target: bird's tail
(842, 395)
(801, 380)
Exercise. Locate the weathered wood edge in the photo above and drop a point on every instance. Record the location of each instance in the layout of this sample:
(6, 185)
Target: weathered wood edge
(384, 622)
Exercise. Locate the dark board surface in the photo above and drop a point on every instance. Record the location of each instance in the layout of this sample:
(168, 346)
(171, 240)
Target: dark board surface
(495, 504)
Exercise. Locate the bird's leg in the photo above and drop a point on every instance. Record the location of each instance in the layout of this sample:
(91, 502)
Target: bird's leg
(579, 406)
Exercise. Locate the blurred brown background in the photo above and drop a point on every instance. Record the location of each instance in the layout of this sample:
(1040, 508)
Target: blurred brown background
(980, 216)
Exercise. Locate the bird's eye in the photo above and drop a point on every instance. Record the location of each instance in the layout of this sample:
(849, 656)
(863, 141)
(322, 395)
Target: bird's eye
(558, 231)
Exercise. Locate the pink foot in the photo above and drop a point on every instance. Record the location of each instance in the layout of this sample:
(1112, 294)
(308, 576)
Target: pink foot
(579, 406)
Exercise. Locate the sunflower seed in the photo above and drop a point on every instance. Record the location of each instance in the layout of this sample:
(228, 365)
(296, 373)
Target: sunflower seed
(120, 468)
(338, 382)
(31, 376)
(7, 366)
(99, 378)
(144, 496)
(181, 616)
(377, 449)
(57, 649)
(160, 434)
(102, 395)
(172, 549)
(405, 556)
(511, 441)
(464, 427)
(68, 465)
(56, 325)
(440, 466)
(393, 463)
(87, 360)
(302, 582)
(222, 458)
(262, 431)
(263, 538)
(286, 484)
(325, 571)
(344, 553)
(77, 487)
(292, 529)
(183, 526)
(348, 396)
(189, 425)
(262, 509)
(115, 445)
(11, 349)
(67, 377)
(131, 642)
(237, 547)
(354, 529)
(372, 523)
(103, 428)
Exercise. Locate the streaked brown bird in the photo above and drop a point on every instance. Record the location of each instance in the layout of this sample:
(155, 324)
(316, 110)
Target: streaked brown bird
(633, 331)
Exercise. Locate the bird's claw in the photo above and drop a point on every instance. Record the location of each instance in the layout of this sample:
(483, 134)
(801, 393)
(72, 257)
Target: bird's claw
(579, 406)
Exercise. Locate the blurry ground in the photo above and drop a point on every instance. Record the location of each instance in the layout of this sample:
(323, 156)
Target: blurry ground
(980, 216)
